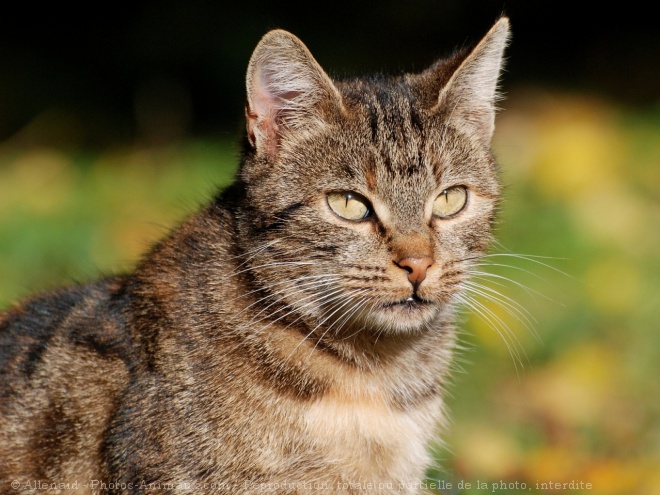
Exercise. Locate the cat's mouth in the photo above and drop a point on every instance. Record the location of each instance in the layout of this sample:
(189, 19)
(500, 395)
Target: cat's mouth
(408, 314)
(411, 302)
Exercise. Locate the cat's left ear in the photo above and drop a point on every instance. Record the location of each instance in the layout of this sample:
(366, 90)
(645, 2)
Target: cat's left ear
(470, 94)
(286, 92)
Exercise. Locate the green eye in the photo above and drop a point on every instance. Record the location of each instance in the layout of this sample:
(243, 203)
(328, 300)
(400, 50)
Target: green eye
(349, 205)
(451, 201)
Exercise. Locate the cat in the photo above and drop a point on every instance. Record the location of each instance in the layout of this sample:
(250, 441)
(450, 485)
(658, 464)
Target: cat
(296, 334)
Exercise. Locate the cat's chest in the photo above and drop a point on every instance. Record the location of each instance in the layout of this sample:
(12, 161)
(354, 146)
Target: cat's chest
(375, 440)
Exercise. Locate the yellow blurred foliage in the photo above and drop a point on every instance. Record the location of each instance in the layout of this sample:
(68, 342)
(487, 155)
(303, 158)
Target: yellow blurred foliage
(487, 453)
(501, 327)
(577, 152)
(576, 388)
(613, 285)
(38, 181)
(612, 213)
(553, 463)
(620, 477)
(565, 144)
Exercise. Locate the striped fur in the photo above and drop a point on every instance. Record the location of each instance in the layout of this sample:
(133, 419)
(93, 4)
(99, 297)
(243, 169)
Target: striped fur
(268, 345)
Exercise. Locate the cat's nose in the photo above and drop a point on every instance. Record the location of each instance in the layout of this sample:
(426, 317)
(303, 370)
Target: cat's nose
(416, 267)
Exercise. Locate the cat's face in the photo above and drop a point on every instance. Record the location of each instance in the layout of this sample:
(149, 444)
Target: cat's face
(365, 212)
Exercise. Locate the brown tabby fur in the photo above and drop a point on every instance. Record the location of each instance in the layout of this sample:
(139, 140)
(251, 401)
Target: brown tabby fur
(266, 345)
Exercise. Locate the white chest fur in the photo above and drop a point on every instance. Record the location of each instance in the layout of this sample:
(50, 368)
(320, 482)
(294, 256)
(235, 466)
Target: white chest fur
(369, 441)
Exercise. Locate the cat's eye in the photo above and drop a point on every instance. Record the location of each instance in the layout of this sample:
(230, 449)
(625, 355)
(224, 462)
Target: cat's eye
(349, 205)
(451, 201)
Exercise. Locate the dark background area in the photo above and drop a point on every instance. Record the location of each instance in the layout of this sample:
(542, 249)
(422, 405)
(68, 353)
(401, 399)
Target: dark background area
(94, 75)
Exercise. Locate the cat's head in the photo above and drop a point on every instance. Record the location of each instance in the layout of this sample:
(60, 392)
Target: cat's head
(367, 200)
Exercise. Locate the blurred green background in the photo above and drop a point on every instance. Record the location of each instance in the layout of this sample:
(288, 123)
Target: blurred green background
(114, 129)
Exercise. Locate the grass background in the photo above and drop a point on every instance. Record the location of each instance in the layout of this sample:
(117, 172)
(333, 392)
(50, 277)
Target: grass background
(582, 193)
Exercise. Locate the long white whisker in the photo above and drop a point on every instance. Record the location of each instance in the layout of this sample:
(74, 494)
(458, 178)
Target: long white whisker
(310, 296)
(532, 259)
(513, 308)
(317, 278)
(505, 300)
(299, 287)
(334, 301)
(485, 314)
(497, 324)
(351, 294)
(348, 314)
(513, 267)
(357, 311)
(332, 295)
(487, 276)
(253, 252)
(275, 263)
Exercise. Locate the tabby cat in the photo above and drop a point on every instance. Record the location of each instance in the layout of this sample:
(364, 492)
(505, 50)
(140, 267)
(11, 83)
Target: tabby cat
(293, 336)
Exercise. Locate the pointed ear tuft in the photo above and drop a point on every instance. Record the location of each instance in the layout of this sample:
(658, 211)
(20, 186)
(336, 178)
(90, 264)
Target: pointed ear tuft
(285, 86)
(471, 92)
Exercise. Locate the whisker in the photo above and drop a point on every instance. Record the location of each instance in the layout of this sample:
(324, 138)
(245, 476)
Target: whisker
(513, 267)
(331, 295)
(487, 276)
(348, 301)
(513, 346)
(348, 314)
(253, 252)
(276, 263)
(336, 300)
(532, 259)
(359, 308)
(332, 292)
(512, 307)
(300, 287)
(497, 296)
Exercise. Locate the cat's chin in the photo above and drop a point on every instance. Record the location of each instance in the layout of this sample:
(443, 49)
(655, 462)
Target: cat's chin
(409, 315)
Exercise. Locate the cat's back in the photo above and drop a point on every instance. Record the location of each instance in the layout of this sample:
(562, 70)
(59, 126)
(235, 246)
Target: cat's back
(64, 358)
(77, 321)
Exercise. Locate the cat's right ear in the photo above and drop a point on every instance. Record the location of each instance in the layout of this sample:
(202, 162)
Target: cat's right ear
(285, 90)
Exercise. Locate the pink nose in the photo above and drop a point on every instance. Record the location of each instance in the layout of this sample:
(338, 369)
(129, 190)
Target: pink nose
(416, 267)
